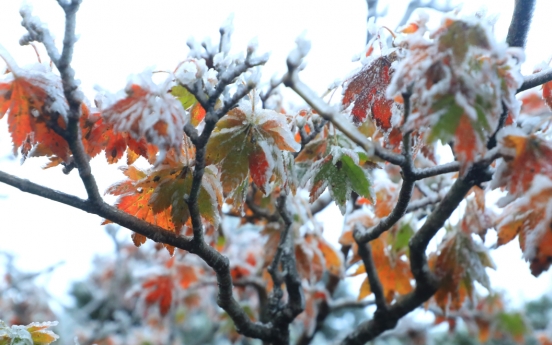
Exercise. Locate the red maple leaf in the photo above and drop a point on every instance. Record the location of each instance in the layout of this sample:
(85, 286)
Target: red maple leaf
(367, 90)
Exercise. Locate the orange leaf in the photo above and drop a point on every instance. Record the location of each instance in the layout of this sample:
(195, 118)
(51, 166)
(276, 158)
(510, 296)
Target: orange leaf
(530, 152)
(466, 142)
(393, 271)
(547, 93)
(197, 113)
(333, 259)
(150, 113)
(365, 290)
(34, 100)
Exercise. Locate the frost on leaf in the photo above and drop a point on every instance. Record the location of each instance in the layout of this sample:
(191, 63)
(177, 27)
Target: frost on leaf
(338, 169)
(160, 196)
(98, 135)
(459, 78)
(249, 141)
(524, 156)
(36, 333)
(34, 101)
(367, 89)
(530, 217)
(458, 263)
(149, 111)
(392, 266)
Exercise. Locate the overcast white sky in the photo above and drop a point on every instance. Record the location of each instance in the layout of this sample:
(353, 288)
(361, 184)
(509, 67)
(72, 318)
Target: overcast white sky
(121, 37)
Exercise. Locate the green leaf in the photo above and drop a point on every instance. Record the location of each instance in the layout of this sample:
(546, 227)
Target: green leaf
(173, 191)
(184, 96)
(513, 324)
(403, 237)
(445, 127)
(341, 178)
(356, 175)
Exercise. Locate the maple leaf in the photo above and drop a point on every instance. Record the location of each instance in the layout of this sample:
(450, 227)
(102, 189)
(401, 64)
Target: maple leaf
(459, 262)
(520, 150)
(159, 196)
(34, 100)
(459, 81)
(530, 217)
(367, 89)
(392, 267)
(338, 170)
(248, 142)
(160, 291)
(332, 260)
(98, 135)
(149, 111)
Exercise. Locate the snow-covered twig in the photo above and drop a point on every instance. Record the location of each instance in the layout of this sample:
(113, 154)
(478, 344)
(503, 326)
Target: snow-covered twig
(536, 79)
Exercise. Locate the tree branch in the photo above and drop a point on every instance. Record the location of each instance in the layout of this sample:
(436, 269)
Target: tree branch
(365, 252)
(436, 170)
(372, 13)
(421, 203)
(426, 282)
(74, 97)
(520, 23)
(405, 194)
(536, 79)
(400, 209)
(283, 315)
(153, 232)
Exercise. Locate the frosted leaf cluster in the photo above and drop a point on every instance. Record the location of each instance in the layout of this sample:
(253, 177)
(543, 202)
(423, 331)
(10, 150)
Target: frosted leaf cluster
(149, 111)
(21, 335)
(459, 71)
(41, 79)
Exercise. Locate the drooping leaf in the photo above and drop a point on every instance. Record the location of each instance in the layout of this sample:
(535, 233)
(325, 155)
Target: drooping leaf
(460, 262)
(520, 150)
(367, 90)
(34, 101)
(339, 172)
(530, 217)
